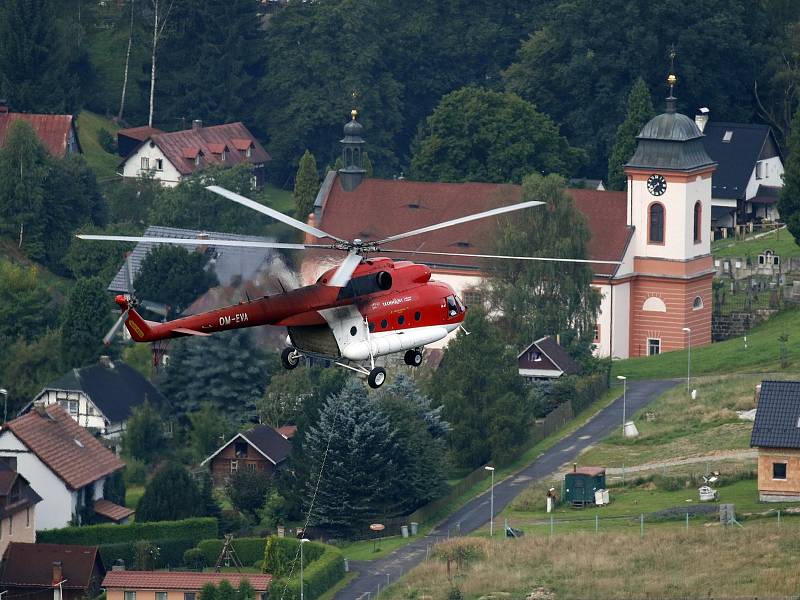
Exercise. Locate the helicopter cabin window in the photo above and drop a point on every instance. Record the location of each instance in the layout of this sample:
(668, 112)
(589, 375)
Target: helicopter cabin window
(384, 324)
(241, 449)
(417, 316)
(371, 327)
(353, 330)
(401, 319)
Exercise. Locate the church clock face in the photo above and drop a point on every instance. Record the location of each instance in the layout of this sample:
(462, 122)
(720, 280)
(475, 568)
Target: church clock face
(656, 185)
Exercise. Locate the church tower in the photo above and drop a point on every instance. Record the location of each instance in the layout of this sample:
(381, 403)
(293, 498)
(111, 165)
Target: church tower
(669, 205)
(353, 171)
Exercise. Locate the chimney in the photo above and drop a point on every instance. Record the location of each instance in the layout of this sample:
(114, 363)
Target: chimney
(701, 118)
(119, 565)
(38, 406)
(58, 573)
(197, 124)
(3, 105)
(574, 467)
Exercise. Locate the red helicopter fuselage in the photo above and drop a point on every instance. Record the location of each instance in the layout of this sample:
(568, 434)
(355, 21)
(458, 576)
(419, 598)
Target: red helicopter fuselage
(387, 306)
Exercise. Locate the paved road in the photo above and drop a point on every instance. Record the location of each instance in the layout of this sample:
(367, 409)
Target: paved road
(376, 574)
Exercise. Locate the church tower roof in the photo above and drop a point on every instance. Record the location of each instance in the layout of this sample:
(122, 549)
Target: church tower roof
(670, 141)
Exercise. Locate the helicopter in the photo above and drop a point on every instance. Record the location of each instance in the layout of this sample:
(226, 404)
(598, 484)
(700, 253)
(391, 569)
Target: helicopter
(366, 307)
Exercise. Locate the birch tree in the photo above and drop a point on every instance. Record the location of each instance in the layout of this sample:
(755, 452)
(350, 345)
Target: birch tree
(159, 22)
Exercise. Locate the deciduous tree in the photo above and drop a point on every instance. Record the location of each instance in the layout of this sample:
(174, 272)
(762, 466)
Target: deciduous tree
(174, 276)
(144, 434)
(248, 491)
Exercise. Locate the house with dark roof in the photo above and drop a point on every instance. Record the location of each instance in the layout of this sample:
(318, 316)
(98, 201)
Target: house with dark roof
(749, 175)
(776, 435)
(120, 584)
(58, 133)
(261, 449)
(545, 359)
(655, 238)
(51, 572)
(102, 396)
(170, 157)
(64, 463)
(17, 508)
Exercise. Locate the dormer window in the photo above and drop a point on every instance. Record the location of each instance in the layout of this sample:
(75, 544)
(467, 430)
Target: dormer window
(197, 159)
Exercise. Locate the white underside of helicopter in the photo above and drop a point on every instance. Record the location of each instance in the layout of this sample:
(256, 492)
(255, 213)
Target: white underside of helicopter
(364, 345)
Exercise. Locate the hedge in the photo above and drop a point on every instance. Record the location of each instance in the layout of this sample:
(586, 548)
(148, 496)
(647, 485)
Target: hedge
(318, 576)
(249, 550)
(195, 529)
(281, 552)
(170, 553)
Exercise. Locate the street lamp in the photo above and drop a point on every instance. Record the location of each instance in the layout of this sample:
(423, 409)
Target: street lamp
(688, 360)
(624, 399)
(303, 541)
(491, 503)
(5, 404)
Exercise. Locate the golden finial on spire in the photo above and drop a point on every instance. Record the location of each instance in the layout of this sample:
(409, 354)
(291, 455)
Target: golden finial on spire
(354, 114)
(672, 80)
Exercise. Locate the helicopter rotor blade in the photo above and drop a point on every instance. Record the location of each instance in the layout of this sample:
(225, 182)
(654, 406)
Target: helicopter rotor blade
(155, 307)
(345, 270)
(537, 258)
(466, 219)
(114, 328)
(205, 242)
(129, 273)
(270, 212)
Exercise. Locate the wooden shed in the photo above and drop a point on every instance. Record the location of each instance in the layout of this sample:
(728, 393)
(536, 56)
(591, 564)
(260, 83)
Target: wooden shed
(581, 483)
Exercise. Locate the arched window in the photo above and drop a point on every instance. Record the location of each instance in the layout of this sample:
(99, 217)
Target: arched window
(698, 222)
(655, 229)
(654, 304)
(698, 303)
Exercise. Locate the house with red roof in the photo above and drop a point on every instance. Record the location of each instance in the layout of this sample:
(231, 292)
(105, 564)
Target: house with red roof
(57, 133)
(51, 572)
(17, 508)
(173, 585)
(170, 157)
(64, 464)
(659, 231)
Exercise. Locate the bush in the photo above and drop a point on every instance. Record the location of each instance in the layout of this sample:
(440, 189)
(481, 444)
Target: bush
(172, 494)
(170, 552)
(194, 558)
(249, 550)
(135, 472)
(281, 552)
(107, 141)
(196, 529)
(318, 577)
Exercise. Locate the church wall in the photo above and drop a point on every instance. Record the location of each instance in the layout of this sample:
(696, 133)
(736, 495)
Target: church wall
(622, 320)
(604, 321)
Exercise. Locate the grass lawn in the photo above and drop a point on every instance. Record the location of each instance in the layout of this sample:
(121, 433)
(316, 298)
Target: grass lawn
(762, 354)
(681, 427)
(667, 562)
(104, 164)
(366, 549)
(780, 241)
(133, 494)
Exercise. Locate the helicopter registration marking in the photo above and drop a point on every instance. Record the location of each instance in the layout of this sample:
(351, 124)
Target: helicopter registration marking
(392, 302)
(237, 318)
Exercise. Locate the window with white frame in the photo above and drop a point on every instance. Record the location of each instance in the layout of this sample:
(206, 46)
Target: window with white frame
(653, 346)
(159, 164)
(759, 170)
(71, 406)
(145, 163)
(234, 466)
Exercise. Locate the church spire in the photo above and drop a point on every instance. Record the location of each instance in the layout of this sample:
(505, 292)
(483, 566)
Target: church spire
(672, 80)
(353, 171)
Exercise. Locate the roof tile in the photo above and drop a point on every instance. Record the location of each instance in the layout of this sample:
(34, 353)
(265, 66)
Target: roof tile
(179, 580)
(53, 130)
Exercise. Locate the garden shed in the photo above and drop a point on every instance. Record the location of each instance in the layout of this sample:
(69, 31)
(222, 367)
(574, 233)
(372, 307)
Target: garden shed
(581, 484)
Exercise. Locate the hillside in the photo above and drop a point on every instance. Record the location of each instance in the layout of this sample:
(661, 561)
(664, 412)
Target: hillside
(103, 163)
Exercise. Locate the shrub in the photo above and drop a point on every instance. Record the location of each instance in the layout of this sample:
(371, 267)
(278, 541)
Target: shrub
(281, 552)
(171, 494)
(195, 529)
(107, 141)
(318, 577)
(249, 550)
(170, 552)
(194, 558)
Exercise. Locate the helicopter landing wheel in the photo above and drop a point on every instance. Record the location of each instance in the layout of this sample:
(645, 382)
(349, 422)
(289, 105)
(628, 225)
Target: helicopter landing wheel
(413, 358)
(376, 377)
(289, 358)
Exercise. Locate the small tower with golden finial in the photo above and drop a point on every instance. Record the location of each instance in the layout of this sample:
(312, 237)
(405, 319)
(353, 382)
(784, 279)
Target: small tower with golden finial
(353, 172)
(672, 80)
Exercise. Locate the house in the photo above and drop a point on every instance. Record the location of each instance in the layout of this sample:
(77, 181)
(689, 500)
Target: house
(51, 572)
(659, 232)
(100, 397)
(749, 175)
(545, 359)
(776, 434)
(57, 133)
(128, 140)
(64, 463)
(170, 157)
(173, 585)
(259, 449)
(17, 508)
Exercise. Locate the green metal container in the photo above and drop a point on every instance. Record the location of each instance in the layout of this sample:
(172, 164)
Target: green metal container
(581, 484)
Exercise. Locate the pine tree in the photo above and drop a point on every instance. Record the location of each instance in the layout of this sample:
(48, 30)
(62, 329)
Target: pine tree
(144, 434)
(306, 186)
(171, 495)
(789, 203)
(84, 322)
(640, 111)
(545, 298)
(211, 507)
(226, 370)
(355, 486)
(482, 394)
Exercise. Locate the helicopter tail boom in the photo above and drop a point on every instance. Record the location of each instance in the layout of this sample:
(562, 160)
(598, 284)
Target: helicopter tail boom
(139, 328)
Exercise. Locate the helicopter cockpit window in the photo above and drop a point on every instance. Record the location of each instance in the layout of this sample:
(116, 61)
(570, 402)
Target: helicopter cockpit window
(452, 307)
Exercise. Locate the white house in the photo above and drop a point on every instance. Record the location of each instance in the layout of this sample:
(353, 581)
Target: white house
(64, 464)
(101, 396)
(749, 175)
(169, 157)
